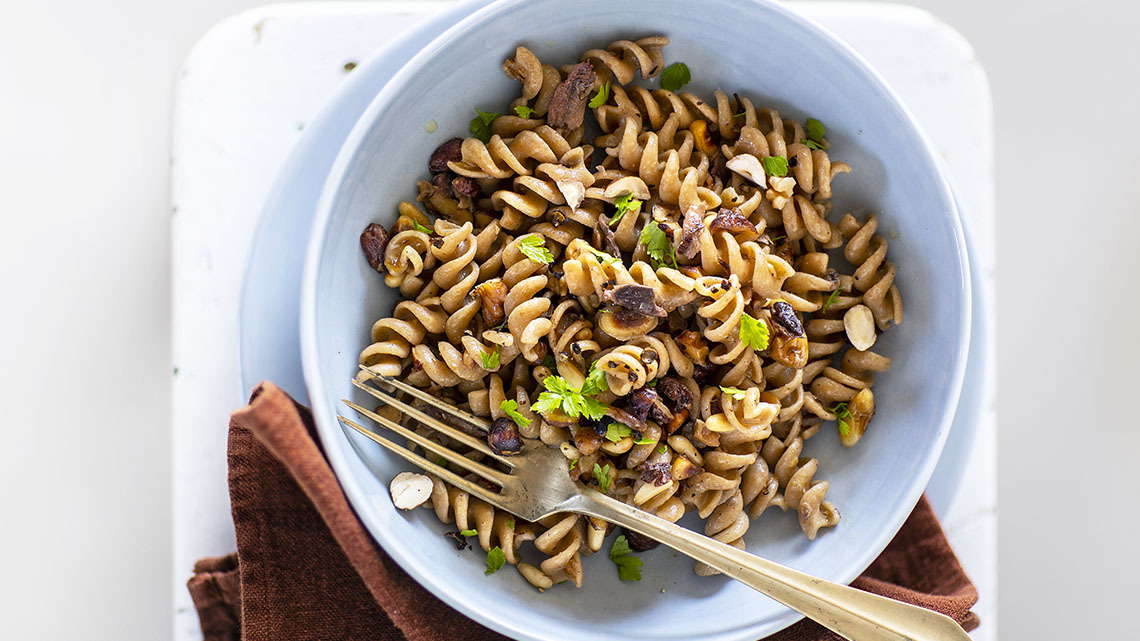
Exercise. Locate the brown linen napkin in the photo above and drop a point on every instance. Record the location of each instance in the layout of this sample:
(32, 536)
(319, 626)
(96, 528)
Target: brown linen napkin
(306, 568)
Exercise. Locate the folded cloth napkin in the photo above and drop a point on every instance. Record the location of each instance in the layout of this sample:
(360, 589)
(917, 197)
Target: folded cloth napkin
(306, 568)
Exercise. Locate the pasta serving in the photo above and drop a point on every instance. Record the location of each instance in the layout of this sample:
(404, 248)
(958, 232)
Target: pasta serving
(651, 283)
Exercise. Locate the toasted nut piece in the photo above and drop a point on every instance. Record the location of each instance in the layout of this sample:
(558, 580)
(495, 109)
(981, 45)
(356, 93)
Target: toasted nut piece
(693, 346)
(410, 490)
(791, 351)
(748, 166)
(683, 469)
(493, 292)
(860, 325)
(703, 137)
(702, 433)
(862, 408)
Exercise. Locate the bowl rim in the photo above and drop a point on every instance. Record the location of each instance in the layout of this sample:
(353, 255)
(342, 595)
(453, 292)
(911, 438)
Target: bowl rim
(329, 430)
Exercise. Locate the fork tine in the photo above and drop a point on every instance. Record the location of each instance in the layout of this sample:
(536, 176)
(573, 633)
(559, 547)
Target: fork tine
(435, 424)
(428, 466)
(447, 453)
(429, 399)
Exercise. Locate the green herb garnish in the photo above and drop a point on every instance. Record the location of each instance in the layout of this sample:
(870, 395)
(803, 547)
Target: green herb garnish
(533, 247)
(571, 401)
(617, 431)
(811, 144)
(675, 76)
(736, 393)
(629, 566)
(652, 383)
(595, 382)
(468, 532)
(643, 441)
(601, 97)
(604, 475)
(603, 257)
(495, 560)
(418, 227)
(491, 358)
(830, 301)
(753, 333)
(481, 124)
(814, 130)
(625, 203)
(842, 418)
(658, 244)
(574, 464)
(511, 409)
(775, 165)
(664, 448)
(523, 111)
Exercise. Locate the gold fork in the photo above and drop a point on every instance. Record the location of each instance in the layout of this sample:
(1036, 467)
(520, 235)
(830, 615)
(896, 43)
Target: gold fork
(538, 485)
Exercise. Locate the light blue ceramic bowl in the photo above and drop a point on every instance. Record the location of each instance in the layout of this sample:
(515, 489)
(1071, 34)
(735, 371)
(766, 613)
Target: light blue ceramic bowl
(776, 57)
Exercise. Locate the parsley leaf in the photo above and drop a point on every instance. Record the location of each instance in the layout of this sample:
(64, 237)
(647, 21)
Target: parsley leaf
(603, 257)
(814, 130)
(775, 165)
(617, 431)
(811, 144)
(480, 125)
(736, 393)
(511, 409)
(468, 532)
(491, 358)
(753, 333)
(830, 301)
(533, 247)
(571, 401)
(842, 418)
(605, 477)
(495, 560)
(643, 441)
(652, 383)
(601, 97)
(523, 111)
(664, 448)
(675, 76)
(418, 227)
(595, 382)
(511, 524)
(625, 203)
(658, 244)
(629, 566)
(574, 464)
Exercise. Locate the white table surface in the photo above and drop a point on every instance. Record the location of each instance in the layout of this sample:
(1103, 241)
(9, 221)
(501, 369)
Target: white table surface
(242, 99)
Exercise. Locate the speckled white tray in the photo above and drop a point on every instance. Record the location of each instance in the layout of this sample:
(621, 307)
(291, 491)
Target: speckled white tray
(242, 100)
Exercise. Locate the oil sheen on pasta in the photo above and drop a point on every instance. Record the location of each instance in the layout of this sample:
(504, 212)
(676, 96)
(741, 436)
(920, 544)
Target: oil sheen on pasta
(728, 428)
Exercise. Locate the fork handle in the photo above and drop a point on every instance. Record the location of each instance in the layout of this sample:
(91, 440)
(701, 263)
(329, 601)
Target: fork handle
(852, 613)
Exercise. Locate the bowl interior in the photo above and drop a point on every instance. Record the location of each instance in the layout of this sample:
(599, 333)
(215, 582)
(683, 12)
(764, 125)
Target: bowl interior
(776, 58)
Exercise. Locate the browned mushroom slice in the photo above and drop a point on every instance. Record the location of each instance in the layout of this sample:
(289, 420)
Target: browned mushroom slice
(635, 298)
(568, 103)
(445, 153)
(503, 437)
(604, 237)
(691, 229)
(732, 221)
(624, 324)
(374, 240)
